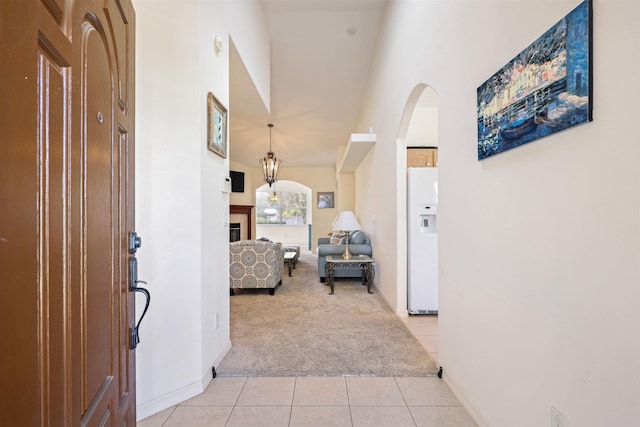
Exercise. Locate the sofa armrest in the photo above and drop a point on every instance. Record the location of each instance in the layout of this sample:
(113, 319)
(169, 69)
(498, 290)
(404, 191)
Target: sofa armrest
(361, 249)
(324, 240)
(329, 249)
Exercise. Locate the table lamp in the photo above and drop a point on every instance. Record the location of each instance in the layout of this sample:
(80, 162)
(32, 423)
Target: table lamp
(346, 221)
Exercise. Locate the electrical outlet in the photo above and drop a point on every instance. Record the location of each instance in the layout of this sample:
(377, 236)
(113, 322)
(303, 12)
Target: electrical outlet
(557, 419)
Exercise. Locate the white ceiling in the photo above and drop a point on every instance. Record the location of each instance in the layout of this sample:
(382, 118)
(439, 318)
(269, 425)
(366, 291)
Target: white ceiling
(318, 77)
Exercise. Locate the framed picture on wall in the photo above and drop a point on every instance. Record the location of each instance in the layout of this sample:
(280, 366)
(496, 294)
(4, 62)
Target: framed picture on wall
(216, 126)
(325, 200)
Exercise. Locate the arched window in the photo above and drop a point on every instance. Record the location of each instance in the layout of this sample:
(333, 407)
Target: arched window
(284, 203)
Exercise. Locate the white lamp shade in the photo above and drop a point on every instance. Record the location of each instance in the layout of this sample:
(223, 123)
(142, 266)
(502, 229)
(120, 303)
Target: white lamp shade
(346, 221)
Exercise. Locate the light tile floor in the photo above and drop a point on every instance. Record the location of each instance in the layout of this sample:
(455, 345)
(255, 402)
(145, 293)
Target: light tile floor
(425, 329)
(325, 401)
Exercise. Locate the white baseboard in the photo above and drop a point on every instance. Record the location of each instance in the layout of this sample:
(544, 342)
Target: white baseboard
(402, 312)
(168, 400)
(465, 403)
(181, 394)
(206, 376)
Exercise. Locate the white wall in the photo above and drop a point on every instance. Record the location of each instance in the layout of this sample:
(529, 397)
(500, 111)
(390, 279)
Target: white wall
(423, 131)
(180, 209)
(539, 246)
(168, 201)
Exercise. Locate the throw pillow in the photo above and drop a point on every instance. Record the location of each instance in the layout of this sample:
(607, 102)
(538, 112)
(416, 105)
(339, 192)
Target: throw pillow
(357, 237)
(336, 238)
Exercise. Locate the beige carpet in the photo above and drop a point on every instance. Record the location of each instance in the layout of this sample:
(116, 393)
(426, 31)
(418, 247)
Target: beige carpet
(303, 331)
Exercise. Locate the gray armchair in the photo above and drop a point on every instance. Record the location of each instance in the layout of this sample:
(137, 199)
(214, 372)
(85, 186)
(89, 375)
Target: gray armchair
(255, 264)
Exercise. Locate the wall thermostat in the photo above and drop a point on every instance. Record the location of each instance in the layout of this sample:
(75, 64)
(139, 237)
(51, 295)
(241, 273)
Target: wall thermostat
(226, 184)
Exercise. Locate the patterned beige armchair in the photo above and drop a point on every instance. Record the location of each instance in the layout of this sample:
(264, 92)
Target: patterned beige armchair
(255, 264)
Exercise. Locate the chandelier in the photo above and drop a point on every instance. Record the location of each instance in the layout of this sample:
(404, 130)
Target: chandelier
(270, 164)
(274, 197)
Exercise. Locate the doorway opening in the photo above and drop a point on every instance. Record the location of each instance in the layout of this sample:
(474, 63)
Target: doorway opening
(284, 213)
(418, 149)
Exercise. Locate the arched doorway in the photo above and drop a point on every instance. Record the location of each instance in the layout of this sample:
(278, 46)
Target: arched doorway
(284, 213)
(417, 146)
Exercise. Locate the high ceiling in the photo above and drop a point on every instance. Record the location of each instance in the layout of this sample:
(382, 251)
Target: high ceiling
(321, 52)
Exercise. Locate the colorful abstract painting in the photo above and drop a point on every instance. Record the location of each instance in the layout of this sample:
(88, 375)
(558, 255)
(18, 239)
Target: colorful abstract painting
(543, 90)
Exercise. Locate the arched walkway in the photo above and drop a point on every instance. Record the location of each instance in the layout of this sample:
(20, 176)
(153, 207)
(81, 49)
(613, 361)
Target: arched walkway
(284, 213)
(418, 128)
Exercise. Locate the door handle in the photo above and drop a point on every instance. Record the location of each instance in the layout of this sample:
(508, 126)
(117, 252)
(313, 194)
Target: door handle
(134, 243)
(135, 332)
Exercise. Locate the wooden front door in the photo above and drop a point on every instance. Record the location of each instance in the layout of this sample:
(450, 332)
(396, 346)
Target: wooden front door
(66, 209)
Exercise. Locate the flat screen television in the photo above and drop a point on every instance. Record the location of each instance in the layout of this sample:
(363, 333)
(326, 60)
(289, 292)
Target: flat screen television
(237, 181)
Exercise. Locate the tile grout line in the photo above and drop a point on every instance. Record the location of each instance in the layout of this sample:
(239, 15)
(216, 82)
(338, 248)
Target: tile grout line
(293, 397)
(235, 404)
(346, 387)
(169, 416)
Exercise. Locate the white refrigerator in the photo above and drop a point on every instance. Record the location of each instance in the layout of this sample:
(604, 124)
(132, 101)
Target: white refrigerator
(422, 239)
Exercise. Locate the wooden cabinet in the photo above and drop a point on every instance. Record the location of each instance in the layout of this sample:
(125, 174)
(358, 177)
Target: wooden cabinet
(420, 157)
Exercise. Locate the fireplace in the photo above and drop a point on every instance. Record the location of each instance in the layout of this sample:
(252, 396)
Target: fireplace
(234, 231)
(241, 216)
